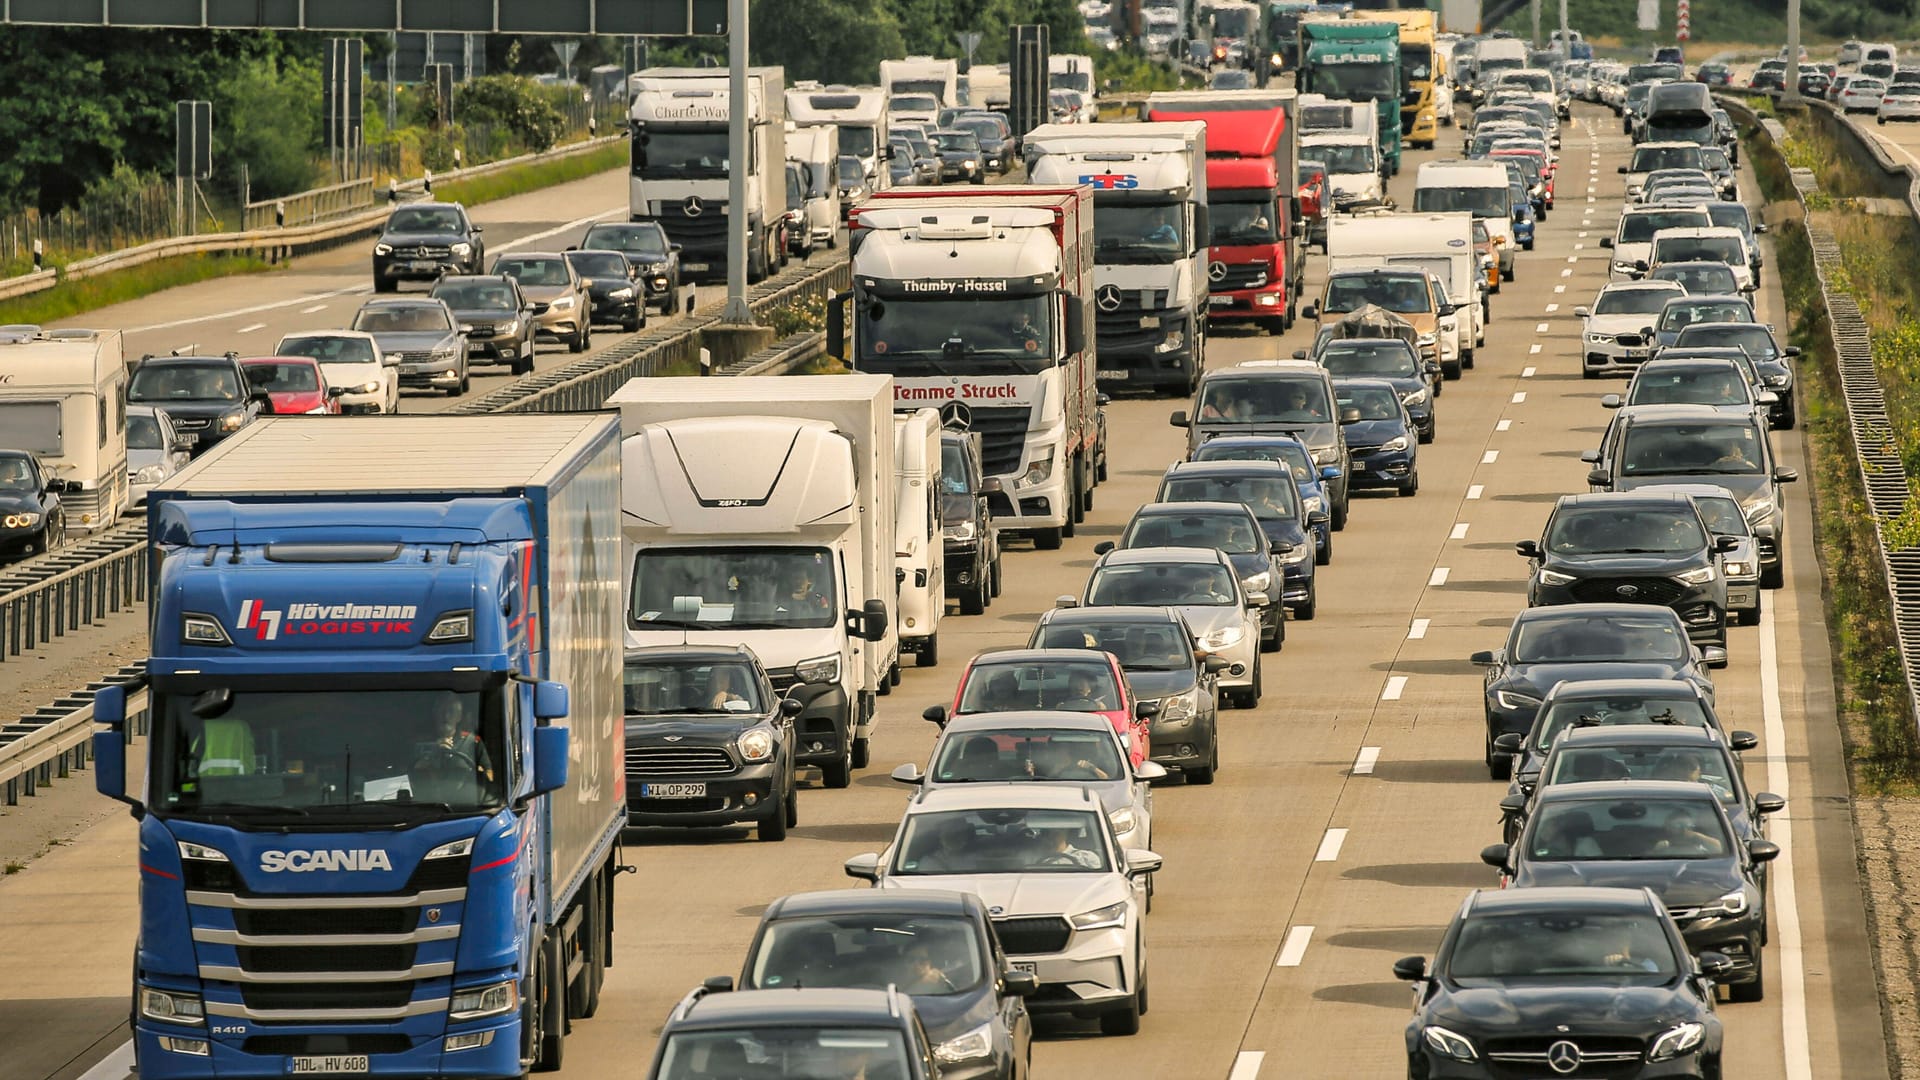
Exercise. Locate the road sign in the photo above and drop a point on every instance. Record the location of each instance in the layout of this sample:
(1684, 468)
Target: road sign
(193, 140)
(566, 50)
(1028, 48)
(1649, 15)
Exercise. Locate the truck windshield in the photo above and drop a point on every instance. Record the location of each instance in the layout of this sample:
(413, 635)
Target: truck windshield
(678, 153)
(1346, 159)
(1249, 222)
(916, 96)
(306, 752)
(857, 141)
(733, 588)
(1417, 62)
(1483, 202)
(1009, 328)
(1366, 81)
(1133, 233)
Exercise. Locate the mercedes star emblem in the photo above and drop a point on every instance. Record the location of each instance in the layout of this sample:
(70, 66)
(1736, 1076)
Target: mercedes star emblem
(996, 911)
(673, 738)
(693, 207)
(956, 415)
(1564, 1057)
(1217, 271)
(1107, 297)
(1628, 591)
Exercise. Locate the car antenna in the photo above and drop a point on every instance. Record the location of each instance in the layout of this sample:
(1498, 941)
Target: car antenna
(235, 557)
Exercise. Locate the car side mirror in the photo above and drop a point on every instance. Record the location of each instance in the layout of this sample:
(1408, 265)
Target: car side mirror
(1311, 311)
(476, 229)
(1483, 658)
(935, 714)
(1742, 741)
(676, 246)
(1510, 742)
(1714, 656)
(336, 391)
(1020, 984)
(1178, 419)
(466, 328)
(1725, 544)
(792, 707)
(1140, 863)
(1299, 354)
(865, 867)
(585, 283)
(260, 397)
(1768, 398)
(550, 746)
(1715, 965)
(1785, 476)
(1791, 350)
(1496, 855)
(393, 359)
(1150, 770)
(1766, 802)
(1583, 312)
(1146, 710)
(1349, 416)
(1606, 241)
(717, 984)
(1761, 851)
(1214, 665)
(1515, 804)
(1329, 472)
(1641, 265)
(1430, 368)
(1611, 401)
(1103, 547)
(1410, 968)
(908, 774)
(1317, 517)
(1599, 478)
(1527, 549)
(1064, 601)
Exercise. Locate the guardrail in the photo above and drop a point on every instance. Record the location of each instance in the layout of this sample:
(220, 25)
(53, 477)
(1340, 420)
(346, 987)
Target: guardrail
(56, 739)
(307, 207)
(45, 597)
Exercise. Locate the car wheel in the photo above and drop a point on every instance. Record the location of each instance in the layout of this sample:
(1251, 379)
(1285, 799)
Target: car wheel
(1324, 555)
(1756, 990)
(672, 306)
(56, 535)
(1427, 435)
(1340, 515)
(839, 773)
(1271, 641)
(1499, 766)
(974, 600)
(793, 801)
(1450, 370)
(1412, 486)
(466, 379)
(1126, 1019)
(773, 827)
(634, 324)
(581, 339)
(994, 575)
(1204, 776)
(1775, 576)
(384, 285)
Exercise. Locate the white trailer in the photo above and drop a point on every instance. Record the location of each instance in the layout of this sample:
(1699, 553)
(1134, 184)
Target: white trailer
(63, 398)
(857, 113)
(922, 75)
(760, 511)
(919, 548)
(1441, 243)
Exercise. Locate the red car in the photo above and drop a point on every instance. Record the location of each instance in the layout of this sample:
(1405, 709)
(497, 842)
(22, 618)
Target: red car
(294, 383)
(1069, 680)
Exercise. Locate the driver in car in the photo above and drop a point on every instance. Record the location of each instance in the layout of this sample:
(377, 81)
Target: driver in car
(1057, 850)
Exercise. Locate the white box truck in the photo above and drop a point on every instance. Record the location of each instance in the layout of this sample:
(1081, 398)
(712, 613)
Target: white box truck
(760, 511)
(63, 398)
(681, 162)
(907, 82)
(817, 148)
(919, 547)
(858, 115)
(1442, 243)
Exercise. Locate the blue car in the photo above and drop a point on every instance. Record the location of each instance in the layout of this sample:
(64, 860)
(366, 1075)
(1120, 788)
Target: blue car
(1292, 453)
(1264, 488)
(1380, 435)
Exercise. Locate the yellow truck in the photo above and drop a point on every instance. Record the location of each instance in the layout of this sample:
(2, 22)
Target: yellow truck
(1418, 122)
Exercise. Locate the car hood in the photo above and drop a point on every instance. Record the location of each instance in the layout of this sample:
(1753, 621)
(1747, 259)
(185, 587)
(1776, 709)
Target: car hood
(1679, 883)
(543, 294)
(352, 374)
(1544, 676)
(1206, 618)
(1626, 565)
(1745, 488)
(948, 1016)
(292, 402)
(12, 502)
(1374, 432)
(484, 315)
(196, 409)
(1600, 1007)
(137, 459)
(1246, 564)
(1618, 325)
(1153, 685)
(705, 731)
(414, 340)
(1065, 893)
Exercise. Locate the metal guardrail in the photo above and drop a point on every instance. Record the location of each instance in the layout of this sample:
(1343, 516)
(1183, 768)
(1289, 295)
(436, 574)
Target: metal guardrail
(27, 284)
(783, 357)
(307, 207)
(44, 598)
(57, 739)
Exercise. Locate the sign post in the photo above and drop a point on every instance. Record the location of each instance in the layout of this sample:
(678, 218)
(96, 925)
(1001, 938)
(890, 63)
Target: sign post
(192, 158)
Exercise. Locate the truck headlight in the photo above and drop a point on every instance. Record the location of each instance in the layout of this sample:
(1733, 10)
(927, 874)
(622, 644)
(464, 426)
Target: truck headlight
(1223, 638)
(484, 1001)
(1175, 339)
(820, 669)
(755, 744)
(967, 1046)
(201, 853)
(1041, 466)
(1696, 577)
(1677, 1040)
(172, 1006)
(1101, 918)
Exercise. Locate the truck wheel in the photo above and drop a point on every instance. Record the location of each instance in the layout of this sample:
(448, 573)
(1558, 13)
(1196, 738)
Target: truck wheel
(839, 774)
(583, 996)
(1049, 539)
(929, 655)
(553, 1005)
(1275, 326)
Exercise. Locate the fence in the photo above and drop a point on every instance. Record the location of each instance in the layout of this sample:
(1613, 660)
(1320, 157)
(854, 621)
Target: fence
(103, 222)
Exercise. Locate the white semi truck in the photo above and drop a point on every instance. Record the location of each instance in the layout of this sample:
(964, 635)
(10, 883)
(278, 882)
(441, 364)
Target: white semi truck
(681, 162)
(760, 511)
(63, 399)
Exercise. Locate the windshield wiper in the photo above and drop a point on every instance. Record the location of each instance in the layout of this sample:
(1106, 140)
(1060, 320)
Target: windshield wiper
(233, 808)
(671, 624)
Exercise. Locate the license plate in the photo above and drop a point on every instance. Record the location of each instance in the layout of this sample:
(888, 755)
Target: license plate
(693, 267)
(425, 264)
(1027, 966)
(1108, 373)
(673, 791)
(322, 1064)
(1636, 354)
(1220, 301)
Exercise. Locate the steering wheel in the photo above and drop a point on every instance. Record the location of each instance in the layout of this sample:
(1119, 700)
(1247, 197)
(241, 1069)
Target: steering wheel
(1058, 858)
(446, 761)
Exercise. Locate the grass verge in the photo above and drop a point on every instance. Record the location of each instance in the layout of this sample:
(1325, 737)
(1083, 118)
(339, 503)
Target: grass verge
(70, 298)
(533, 176)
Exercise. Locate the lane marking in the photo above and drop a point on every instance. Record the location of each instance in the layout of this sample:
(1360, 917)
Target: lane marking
(117, 1065)
(1583, 236)
(1786, 906)
(1247, 1065)
(1579, 247)
(1573, 258)
(1489, 457)
(1330, 845)
(1459, 531)
(314, 308)
(1541, 329)
(1473, 491)
(1295, 947)
(1502, 425)
(1527, 372)
(1533, 349)
(1566, 273)
(1363, 762)
(1438, 577)
(251, 328)
(1559, 288)
(1551, 308)
(1419, 629)
(1395, 686)
(1519, 397)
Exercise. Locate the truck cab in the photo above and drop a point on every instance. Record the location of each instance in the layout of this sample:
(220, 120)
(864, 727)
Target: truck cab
(1358, 60)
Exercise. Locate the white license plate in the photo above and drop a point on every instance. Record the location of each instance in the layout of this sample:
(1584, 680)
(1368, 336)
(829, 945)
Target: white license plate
(1109, 373)
(425, 264)
(693, 268)
(1027, 966)
(1220, 301)
(673, 791)
(322, 1064)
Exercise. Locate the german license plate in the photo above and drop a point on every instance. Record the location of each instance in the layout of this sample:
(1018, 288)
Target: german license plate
(1111, 373)
(328, 1064)
(693, 268)
(1220, 301)
(1027, 966)
(425, 264)
(673, 791)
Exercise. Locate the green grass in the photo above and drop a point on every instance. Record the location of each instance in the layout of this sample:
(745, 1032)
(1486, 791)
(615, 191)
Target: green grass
(70, 298)
(532, 177)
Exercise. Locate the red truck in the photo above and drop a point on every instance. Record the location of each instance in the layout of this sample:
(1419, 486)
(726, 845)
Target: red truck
(1257, 263)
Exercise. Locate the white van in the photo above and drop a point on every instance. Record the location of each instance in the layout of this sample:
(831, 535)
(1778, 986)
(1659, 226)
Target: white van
(919, 547)
(1474, 187)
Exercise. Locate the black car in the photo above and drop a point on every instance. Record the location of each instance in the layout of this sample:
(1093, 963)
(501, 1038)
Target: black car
(1714, 75)
(1561, 982)
(422, 241)
(32, 521)
(967, 529)
(1155, 648)
(708, 741)
(498, 320)
(960, 155)
(1768, 355)
(1395, 361)
(1382, 440)
(1671, 837)
(619, 296)
(938, 947)
(1229, 527)
(1642, 547)
(1268, 489)
(655, 258)
(715, 1032)
(995, 136)
(205, 396)
(1549, 645)
(1603, 703)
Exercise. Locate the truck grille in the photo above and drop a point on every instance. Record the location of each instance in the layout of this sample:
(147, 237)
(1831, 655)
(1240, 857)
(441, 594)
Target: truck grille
(670, 761)
(783, 679)
(708, 230)
(354, 997)
(262, 922)
(326, 958)
(1639, 590)
(1121, 329)
(276, 1045)
(1240, 276)
(1003, 437)
(1038, 934)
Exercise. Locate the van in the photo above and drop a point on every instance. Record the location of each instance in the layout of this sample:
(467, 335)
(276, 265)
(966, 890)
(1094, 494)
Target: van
(1678, 112)
(919, 549)
(1476, 187)
(63, 399)
(1439, 243)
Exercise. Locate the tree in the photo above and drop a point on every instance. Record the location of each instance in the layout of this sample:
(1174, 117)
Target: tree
(834, 41)
(268, 118)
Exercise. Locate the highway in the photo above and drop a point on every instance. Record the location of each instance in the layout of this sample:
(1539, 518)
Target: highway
(1347, 819)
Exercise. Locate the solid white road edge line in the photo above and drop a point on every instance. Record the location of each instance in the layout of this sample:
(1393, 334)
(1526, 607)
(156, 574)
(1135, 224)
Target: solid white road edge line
(1294, 949)
(1793, 978)
(117, 1065)
(1330, 845)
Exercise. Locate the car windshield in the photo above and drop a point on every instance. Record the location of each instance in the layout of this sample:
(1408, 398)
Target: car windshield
(475, 295)
(1752, 338)
(1649, 158)
(732, 588)
(533, 271)
(1264, 401)
(1139, 646)
(1718, 385)
(1015, 755)
(328, 349)
(1682, 315)
(1400, 293)
(1722, 249)
(679, 687)
(1625, 530)
(815, 1050)
(1480, 201)
(1344, 159)
(1237, 222)
(1012, 840)
(1288, 452)
(1632, 301)
(184, 382)
(1270, 498)
(1732, 448)
(914, 953)
(1707, 765)
(1374, 402)
(1625, 828)
(914, 103)
(1702, 278)
(609, 266)
(1383, 359)
(143, 433)
(1162, 584)
(284, 378)
(1730, 215)
(1623, 709)
(411, 318)
(1072, 685)
(642, 240)
(852, 172)
(1235, 533)
(15, 474)
(424, 219)
(1639, 228)
(1559, 944)
(965, 142)
(1722, 515)
(1618, 638)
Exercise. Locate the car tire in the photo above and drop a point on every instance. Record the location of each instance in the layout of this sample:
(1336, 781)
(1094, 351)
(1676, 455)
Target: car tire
(1048, 539)
(1126, 1019)
(672, 306)
(773, 827)
(974, 600)
(838, 774)
(1324, 554)
(384, 285)
(1412, 485)
(1775, 577)
(1204, 776)
(1755, 990)
(792, 801)
(1526, 245)
(581, 339)
(634, 324)
(929, 654)
(1340, 516)
(1427, 435)
(994, 577)
(1270, 643)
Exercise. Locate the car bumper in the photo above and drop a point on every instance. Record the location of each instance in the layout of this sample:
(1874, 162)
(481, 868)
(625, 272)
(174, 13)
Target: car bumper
(1090, 978)
(363, 403)
(1137, 366)
(1436, 1067)
(1743, 595)
(391, 269)
(439, 374)
(1265, 302)
(497, 350)
(1240, 660)
(616, 311)
(20, 545)
(825, 722)
(1181, 744)
(554, 326)
(748, 795)
(1703, 608)
(1382, 470)
(1613, 357)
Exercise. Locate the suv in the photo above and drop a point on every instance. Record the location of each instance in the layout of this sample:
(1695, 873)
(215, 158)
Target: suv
(1637, 548)
(971, 538)
(655, 259)
(1274, 397)
(708, 741)
(497, 319)
(208, 397)
(562, 303)
(716, 1032)
(422, 241)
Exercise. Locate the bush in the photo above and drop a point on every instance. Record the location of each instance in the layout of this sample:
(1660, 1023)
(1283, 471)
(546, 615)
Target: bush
(513, 103)
(272, 125)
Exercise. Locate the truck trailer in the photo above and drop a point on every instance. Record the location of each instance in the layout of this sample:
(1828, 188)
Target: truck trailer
(858, 115)
(384, 782)
(63, 398)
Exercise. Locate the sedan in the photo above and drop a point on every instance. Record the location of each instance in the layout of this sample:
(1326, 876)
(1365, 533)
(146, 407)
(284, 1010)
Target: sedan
(562, 302)
(646, 246)
(1065, 680)
(618, 296)
(1550, 981)
(1549, 645)
(424, 337)
(155, 450)
(1769, 358)
(1612, 332)
(1381, 436)
(352, 360)
(1228, 527)
(1202, 584)
(1900, 103)
(1684, 311)
(496, 318)
(1861, 94)
(32, 520)
(1312, 480)
(294, 385)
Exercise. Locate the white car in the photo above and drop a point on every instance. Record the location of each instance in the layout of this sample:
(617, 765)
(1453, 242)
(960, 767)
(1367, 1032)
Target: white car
(1719, 243)
(1621, 311)
(1202, 584)
(1067, 900)
(1900, 103)
(1632, 241)
(353, 359)
(1862, 94)
(155, 450)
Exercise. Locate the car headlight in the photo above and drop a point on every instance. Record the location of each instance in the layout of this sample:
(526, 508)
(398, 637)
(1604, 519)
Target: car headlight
(1259, 582)
(1516, 699)
(1758, 511)
(1555, 577)
(620, 294)
(172, 1006)
(755, 744)
(442, 355)
(1314, 504)
(967, 1046)
(232, 421)
(1326, 455)
(1777, 380)
(659, 281)
(371, 386)
(1295, 554)
(152, 474)
(462, 250)
(1425, 339)
(1739, 569)
(383, 249)
(1394, 445)
(1677, 1040)
(1123, 820)
(1179, 708)
(484, 1001)
(1450, 1044)
(1040, 466)
(1101, 918)
(1733, 903)
(1417, 397)
(1695, 577)
(963, 533)
(1224, 638)
(820, 669)
(565, 303)
(972, 164)
(507, 329)
(1599, 339)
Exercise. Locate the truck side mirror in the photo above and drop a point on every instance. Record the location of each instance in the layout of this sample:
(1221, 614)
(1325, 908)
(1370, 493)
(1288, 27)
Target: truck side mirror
(1178, 419)
(1202, 229)
(550, 750)
(551, 701)
(1076, 324)
(837, 325)
(873, 617)
(110, 747)
(992, 486)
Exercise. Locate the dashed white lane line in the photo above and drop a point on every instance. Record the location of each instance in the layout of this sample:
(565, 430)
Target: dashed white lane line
(1519, 397)
(1559, 288)
(1438, 577)
(1489, 457)
(1583, 236)
(1579, 247)
(1294, 949)
(1330, 845)
(1793, 976)
(251, 327)
(314, 308)
(1365, 760)
(1566, 273)
(1459, 531)
(1396, 685)
(1246, 1066)
(1551, 308)
(1419, 629)
(1502, 425)
(1573, 258)
(1474, 491)
(1540, 329)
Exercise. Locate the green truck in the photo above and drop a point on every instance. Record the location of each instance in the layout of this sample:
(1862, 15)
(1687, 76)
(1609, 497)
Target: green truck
(1355, 60)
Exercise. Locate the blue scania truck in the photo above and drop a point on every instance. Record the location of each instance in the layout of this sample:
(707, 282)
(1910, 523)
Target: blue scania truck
(384, 785)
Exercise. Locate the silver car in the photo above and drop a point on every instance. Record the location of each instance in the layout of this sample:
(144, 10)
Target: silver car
(155, 450)
(423, 335)
(1721, 511)
(1202, 584)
